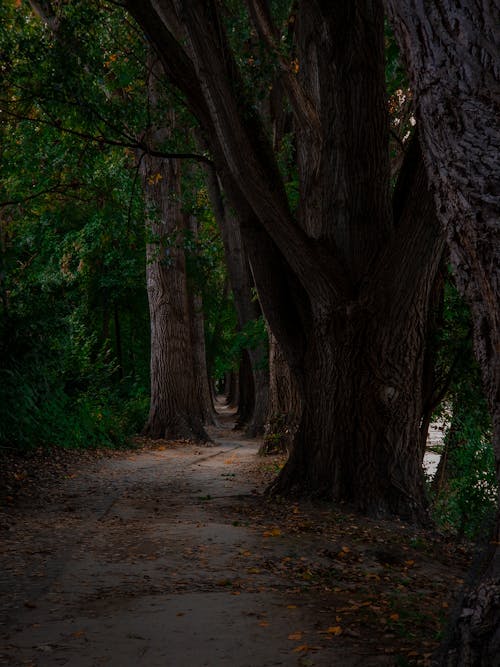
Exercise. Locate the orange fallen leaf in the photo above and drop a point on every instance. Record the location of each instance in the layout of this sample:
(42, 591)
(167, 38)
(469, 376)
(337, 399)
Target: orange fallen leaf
(295, 636)
(263, 624)
(274, 532)
(335, 630)
(394, 617)
(291, 606)
(303, 648)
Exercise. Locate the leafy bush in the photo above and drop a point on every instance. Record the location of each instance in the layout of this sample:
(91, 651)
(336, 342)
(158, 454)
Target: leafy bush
(466, 503)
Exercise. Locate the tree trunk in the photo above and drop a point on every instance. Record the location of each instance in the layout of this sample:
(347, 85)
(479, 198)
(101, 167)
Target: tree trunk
(260, 376)
(197, 321)
(358, 439)
(451, 52)
(284, 404)
(175, 410)
(246, 391)
(232, 389)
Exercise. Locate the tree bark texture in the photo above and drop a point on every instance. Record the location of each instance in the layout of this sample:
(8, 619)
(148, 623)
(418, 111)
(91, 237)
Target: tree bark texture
(345, 282)
(451, 52)
(175, 410)
(284, 403)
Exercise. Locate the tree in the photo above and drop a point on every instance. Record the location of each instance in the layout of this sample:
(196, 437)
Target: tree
(344, 280)
(73, 317)
(175, 410)
(451, 51)
(179, 402)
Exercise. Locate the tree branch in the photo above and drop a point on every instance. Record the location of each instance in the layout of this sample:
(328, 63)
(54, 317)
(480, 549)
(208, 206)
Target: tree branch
(59, 188)
(302, 105)
(101, 139)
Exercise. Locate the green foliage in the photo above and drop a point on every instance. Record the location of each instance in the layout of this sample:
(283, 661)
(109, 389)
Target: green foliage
(74, 336)
(464, 500)
(466, 505)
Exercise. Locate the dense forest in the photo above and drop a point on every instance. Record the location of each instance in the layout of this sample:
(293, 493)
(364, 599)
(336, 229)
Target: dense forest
(290, 208)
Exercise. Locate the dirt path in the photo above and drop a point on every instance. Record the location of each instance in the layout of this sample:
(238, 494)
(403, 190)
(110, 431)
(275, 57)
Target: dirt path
(171, 558)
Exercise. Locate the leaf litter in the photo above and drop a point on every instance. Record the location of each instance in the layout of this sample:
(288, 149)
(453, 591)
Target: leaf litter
(383, 587)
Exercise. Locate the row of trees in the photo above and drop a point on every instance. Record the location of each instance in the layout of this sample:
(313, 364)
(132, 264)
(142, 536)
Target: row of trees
(337, 214)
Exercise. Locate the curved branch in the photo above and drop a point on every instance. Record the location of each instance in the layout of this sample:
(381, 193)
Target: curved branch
(302, 105)
(101, 139)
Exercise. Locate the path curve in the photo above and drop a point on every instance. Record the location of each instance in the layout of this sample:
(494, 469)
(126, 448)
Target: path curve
(140, 560)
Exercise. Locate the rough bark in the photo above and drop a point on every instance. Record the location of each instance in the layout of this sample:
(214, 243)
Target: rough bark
(345, 283)
(451, 52)
(175, 410)
(284, 403)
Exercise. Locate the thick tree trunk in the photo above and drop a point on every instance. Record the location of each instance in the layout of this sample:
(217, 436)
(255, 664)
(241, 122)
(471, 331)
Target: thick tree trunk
(284, 403)
(451, 51)
(175, 410)
(358, 439)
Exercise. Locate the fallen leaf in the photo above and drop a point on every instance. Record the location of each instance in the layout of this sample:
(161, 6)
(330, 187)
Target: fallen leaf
(295, 636)
(274, 532)
(303, 648)
(335, 630)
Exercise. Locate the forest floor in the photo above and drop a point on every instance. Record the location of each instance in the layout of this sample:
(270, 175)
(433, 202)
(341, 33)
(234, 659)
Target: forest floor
(170, 555)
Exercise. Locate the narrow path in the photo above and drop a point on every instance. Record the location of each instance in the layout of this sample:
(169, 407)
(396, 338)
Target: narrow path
(130, 568)
(154, 559)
